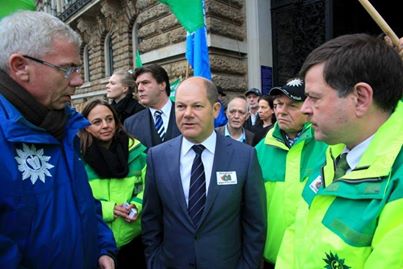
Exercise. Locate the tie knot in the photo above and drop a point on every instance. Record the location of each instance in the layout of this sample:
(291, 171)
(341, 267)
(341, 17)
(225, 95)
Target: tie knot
(342, 159)
(198, 149)
(341, 165)
(157, 113)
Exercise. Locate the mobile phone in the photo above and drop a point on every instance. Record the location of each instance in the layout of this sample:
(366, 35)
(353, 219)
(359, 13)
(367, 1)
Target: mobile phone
(133, 211)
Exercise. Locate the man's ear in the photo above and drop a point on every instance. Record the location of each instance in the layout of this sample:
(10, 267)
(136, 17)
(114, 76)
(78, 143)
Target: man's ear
(216, 109)
(18, 67)
(363, 94)
(163, 85)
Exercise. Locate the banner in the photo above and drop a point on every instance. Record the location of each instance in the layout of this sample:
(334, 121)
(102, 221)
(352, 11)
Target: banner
(174, 86)
(188, 12)
(139, 63)
(10, 6)
(197, 53)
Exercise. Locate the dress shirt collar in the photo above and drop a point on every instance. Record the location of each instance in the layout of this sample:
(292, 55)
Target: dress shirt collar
(209, 144)
(166, 109)
(354, 155)
(242, 138)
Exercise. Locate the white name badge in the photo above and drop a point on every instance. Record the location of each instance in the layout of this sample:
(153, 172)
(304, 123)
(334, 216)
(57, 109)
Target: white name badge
(316, 184)
(226, 178)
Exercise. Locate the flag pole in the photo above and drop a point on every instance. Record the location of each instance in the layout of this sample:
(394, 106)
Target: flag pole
(380, 21)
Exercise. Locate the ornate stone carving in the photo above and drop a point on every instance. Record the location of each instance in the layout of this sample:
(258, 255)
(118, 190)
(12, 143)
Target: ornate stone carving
(298, 28)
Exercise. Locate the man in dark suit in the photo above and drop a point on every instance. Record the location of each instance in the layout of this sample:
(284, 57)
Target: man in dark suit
(237, 113)
(156, 124)
(204, 201)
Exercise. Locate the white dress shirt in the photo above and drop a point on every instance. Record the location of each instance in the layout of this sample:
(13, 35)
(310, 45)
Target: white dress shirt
(354, 155)
(186, 161)
(253, 118)
(166, 111)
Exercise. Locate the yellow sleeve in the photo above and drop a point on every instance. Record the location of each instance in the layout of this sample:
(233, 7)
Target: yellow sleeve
(107, 211)
(387, 241)
(138, 199)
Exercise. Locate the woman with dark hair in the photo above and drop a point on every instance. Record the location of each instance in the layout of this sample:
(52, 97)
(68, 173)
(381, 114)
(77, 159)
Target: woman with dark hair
(120, 89)
(267, 117)
(115, 164)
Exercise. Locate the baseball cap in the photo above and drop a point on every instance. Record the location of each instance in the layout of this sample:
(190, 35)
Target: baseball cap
(254, 91)
(294, 89)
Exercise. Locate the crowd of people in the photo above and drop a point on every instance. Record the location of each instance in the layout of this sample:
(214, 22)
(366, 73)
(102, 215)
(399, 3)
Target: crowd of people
(308, 176)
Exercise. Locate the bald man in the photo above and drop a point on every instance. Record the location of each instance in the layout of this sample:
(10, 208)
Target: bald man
(203, 208)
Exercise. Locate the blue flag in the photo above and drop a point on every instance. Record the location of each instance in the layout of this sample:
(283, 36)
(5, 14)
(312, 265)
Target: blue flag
(197, 52)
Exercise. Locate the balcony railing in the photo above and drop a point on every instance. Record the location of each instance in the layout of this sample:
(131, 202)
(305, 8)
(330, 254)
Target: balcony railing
(72, 8)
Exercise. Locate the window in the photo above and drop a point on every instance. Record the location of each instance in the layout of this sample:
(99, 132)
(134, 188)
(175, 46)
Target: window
(86, 63)
(108, 55)
(135, 43)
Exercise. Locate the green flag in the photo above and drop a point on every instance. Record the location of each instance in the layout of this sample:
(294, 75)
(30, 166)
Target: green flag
(139, 63)
(174, 86)
(10, 6)
(188, 12)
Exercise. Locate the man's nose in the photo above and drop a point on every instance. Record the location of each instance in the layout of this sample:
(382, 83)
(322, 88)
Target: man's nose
(306, 108)
(76, 80)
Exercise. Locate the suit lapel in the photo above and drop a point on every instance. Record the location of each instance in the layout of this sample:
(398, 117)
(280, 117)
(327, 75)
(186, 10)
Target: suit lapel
(173, 159)
(221, 163)
(172, 130)
(148, 121)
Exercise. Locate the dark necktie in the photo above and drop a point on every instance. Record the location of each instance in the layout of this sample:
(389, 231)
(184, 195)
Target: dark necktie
(159, 124)
(341, 166)
(197, 188)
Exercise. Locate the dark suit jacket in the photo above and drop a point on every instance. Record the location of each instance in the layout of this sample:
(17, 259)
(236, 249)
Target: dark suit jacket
(248, 123)
(232, 229)
(141, 126)
(248, 134)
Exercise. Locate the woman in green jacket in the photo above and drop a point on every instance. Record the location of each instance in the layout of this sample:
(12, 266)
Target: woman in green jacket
(115, 164)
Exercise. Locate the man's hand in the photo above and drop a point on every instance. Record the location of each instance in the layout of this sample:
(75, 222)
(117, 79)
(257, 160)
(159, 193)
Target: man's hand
(106, 262)
(399, 49)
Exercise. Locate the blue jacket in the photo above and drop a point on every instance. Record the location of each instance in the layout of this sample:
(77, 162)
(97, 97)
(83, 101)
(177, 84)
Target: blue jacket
(221, 119)
(48, 217)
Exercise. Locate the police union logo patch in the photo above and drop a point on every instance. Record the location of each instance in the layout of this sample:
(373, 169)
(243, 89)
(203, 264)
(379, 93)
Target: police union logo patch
(334, 262)
(33, 163)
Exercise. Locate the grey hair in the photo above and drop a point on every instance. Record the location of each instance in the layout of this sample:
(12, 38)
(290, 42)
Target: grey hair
(32, 33)
(240, 97)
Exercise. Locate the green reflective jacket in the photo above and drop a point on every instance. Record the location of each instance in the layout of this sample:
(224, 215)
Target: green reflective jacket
(285, 171)
(354, 221)
(117, 191)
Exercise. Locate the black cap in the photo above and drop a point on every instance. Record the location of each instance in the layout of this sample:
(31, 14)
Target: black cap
(294, 89)
(254, 91)
(220, 91)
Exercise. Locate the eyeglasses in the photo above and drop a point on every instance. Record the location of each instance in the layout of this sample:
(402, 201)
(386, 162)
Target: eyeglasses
(67, 71)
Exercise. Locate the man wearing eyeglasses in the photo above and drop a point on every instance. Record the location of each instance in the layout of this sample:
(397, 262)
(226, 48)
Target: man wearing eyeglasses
(237, 113)
(48, 217)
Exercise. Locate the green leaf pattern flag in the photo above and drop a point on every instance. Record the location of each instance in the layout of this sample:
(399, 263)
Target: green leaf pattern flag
(139, 63)
(10, 6)
(188, 12)
(174, 86)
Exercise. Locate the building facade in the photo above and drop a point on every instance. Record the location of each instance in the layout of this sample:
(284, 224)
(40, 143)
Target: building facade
(112, 31)
(252, 43)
